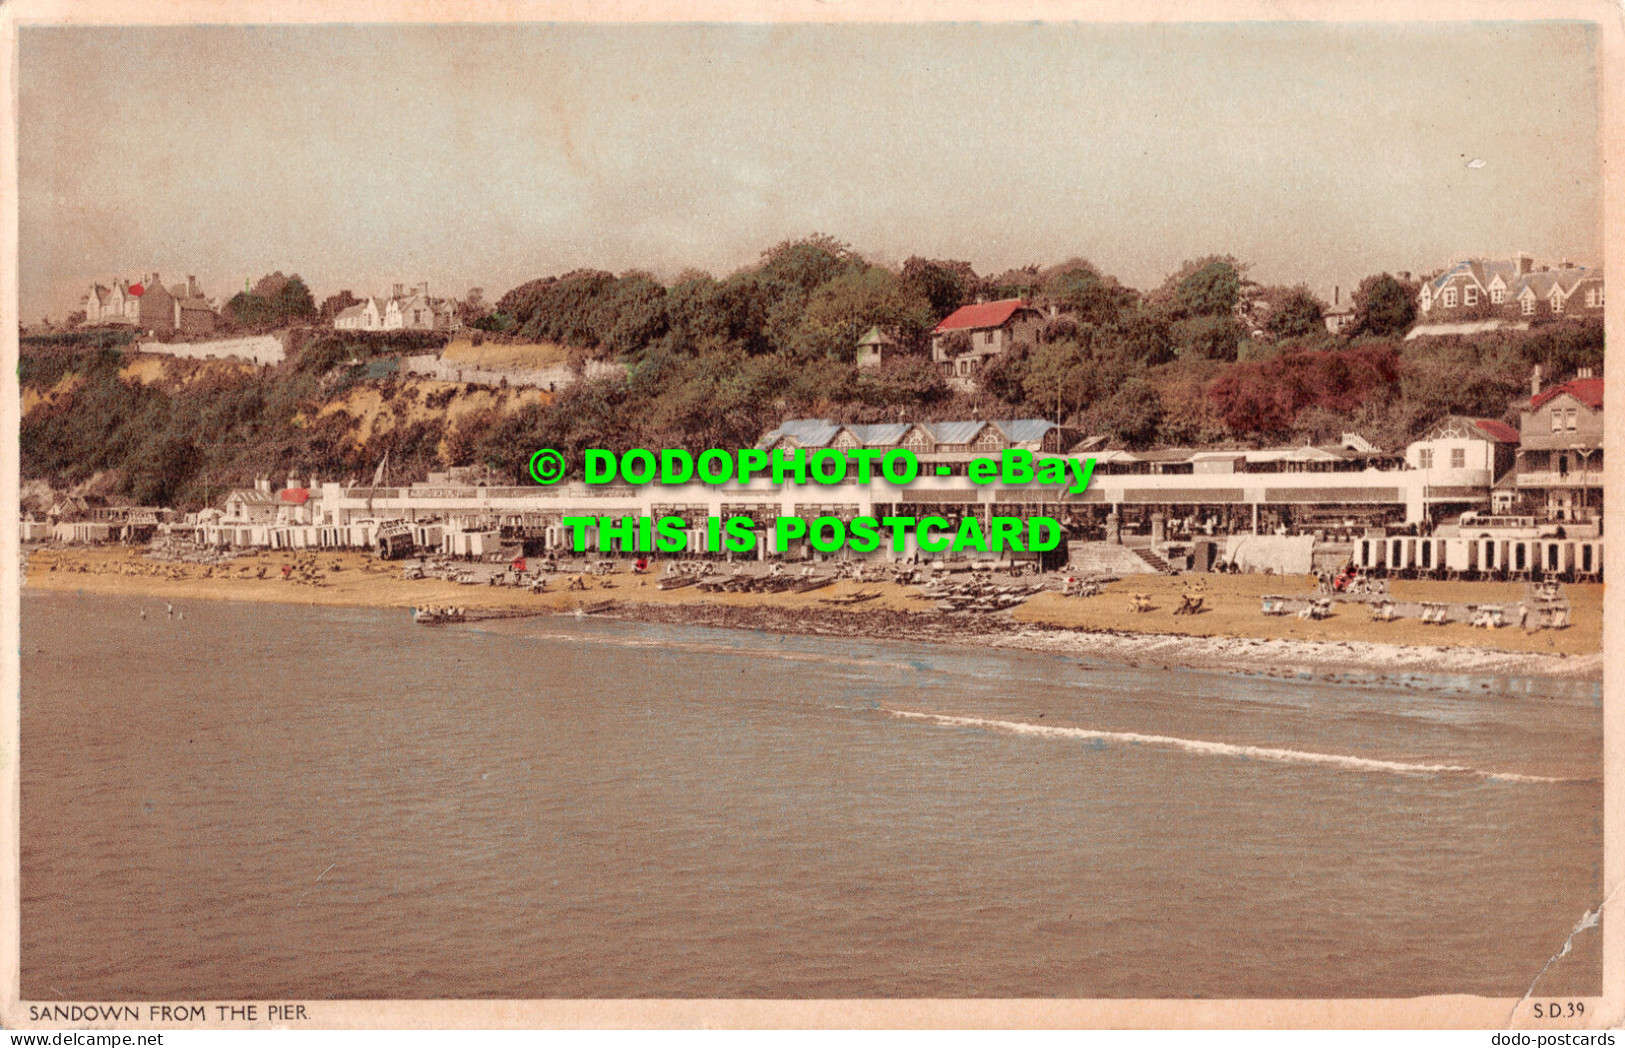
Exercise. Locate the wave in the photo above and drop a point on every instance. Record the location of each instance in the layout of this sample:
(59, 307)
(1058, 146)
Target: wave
(1223, 749)
(702, 648)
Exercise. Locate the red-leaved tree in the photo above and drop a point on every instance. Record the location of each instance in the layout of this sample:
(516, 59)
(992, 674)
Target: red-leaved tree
(1263, 398)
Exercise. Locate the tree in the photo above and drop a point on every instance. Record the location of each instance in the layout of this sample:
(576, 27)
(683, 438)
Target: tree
(473, 306)
(1060, 378)
(333, 305)
(1131, 414)
(1265, 397)
(1207, 287)
(1296, 314)
(1005, 375)
(293, 301)
(944, 284)
(1021, 282)
(1560, 349)
(1383, 306)
(841, 310)
(808, 262)
(1079, 288)
(1207, 337)
(248, 309)
(270, 285)
(956, 344)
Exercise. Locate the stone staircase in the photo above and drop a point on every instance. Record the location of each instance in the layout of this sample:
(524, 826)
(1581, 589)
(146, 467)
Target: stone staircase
(1105, 558)
(1154, 562)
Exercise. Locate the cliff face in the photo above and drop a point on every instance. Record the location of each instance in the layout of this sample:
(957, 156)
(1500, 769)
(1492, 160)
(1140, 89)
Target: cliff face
(181, 432)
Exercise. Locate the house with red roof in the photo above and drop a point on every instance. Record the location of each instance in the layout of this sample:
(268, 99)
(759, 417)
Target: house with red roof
(149, 305)
(962, 344)
(1462, 458)
(119, 304)
(1560, 457)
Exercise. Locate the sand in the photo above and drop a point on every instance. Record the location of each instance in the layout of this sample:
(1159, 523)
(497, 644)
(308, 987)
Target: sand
(523, 356)
(1232, 634)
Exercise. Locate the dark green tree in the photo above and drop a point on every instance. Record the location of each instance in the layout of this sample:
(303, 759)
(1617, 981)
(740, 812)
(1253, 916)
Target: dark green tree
(1383, 306)
(1297, 314)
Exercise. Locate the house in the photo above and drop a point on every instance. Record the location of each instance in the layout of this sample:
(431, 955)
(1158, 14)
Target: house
(119, 304)
(68, 509)
(157, 307)
(948, 443)
(877, 346)
(1481, 288)
(1565, 291)
(193, 314)
(1340, 314)
(368, 316)
(150, 306)
(962, 344)
(401, 311)
(256, 505)
(1462, 458)
(1560, 455)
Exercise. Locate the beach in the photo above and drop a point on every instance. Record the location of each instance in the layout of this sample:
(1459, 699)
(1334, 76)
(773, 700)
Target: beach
(1230, 633)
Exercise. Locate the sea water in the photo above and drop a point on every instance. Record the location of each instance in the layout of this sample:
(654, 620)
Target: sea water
(280, 801)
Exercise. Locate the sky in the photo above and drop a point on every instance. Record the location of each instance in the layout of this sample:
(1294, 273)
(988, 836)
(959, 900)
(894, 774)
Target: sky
(364, 156)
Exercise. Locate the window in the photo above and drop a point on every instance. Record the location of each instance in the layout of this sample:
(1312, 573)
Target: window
(988, 338)
(1424, 458)
(1498, 295)
(1450, 297)
(1557, 301)
(417, 316)
(1557, 421)
(1571, 418)
(1470, 296)
(1458, 458)
(1593, 297)
(1528, 304)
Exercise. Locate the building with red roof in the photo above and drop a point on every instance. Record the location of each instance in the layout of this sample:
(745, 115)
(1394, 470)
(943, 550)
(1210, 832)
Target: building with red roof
(147, 304)
(962, 344)
(1560, 457)
(1462, 458)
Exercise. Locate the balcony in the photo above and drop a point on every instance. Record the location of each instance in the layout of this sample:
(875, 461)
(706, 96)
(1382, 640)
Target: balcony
(1551, 478)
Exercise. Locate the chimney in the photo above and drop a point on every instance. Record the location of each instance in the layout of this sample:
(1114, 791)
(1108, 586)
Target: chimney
(1336, 293)
(398, 289)
(1534, 383)
(154, 282)
(293, 481)
(262, 485)
(1583, 373)
(1405, 275)
(192, 290)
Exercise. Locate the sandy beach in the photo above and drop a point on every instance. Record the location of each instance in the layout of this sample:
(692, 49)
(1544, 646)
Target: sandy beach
(1230, 634)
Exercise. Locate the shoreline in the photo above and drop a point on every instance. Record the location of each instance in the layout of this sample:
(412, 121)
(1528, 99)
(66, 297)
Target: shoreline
(1277, 658)
(1234, 637)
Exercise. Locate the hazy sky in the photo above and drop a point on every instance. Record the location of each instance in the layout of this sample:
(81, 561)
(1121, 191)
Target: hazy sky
(487, 155)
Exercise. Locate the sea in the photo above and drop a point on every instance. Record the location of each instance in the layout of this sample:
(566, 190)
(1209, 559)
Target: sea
(257, 801)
